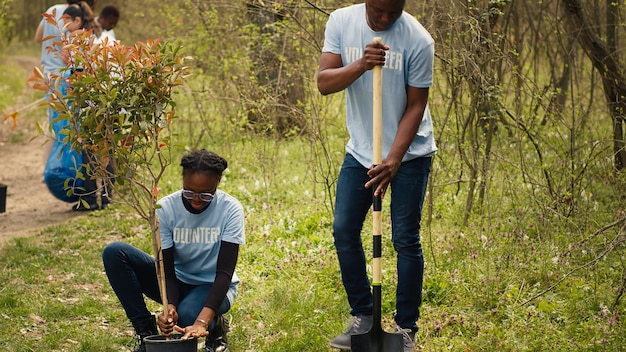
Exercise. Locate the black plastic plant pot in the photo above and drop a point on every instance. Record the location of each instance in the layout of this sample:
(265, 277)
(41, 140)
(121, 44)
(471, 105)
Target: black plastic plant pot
(3, 198)
(159, 343)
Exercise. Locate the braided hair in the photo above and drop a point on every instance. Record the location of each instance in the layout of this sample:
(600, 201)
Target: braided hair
(203, 161)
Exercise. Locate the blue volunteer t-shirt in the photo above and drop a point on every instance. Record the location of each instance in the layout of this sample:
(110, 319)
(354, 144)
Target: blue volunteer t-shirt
(51, 58)
(408, 62)
(196, 238)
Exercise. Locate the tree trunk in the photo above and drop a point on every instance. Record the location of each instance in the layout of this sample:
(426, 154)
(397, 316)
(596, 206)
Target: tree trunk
(605, 61)
(282, 94)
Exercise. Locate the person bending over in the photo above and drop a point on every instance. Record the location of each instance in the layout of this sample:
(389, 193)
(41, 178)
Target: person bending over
(202, 228)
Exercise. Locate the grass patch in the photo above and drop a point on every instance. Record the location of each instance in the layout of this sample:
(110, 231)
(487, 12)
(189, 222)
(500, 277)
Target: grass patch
(55, 294)
(11, 84)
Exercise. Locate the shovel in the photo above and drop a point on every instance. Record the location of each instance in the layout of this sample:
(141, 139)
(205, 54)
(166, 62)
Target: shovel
(377, 340)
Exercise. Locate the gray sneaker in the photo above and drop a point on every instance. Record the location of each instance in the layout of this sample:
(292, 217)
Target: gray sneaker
(408, 336)
(358, 325)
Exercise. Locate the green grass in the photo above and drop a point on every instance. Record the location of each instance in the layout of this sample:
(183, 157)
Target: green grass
(54, 294)
(10, 85)
(14, 93)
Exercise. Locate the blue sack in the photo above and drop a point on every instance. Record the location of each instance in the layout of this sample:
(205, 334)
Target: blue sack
(62, 170)
(64, 167)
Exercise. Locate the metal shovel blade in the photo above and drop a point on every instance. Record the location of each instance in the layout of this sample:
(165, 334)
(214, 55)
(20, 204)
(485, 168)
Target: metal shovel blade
(377, 340)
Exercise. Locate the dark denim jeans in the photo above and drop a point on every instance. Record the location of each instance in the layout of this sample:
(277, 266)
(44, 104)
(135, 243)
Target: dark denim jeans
(132, 273)
(353, 200)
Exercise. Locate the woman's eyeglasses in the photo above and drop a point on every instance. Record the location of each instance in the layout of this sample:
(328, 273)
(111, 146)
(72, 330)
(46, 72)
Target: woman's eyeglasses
(205, 197)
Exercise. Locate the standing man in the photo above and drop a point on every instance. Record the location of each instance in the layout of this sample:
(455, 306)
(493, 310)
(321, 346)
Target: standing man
(406, 54)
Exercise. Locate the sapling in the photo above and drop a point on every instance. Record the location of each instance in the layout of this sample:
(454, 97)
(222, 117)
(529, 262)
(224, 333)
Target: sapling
(119, 105)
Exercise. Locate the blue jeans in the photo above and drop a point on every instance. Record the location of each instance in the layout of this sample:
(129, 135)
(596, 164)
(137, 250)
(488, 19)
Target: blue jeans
(353, 201)
(132, 274)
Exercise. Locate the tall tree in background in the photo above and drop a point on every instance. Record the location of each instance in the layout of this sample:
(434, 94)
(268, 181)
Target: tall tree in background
(605, 58)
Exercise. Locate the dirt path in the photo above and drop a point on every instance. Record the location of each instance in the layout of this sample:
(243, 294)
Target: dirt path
(29, 205)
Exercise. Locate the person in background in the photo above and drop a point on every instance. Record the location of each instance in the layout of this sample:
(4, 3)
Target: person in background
(80, 16)
(97, 193)
(50, 47)
(75, 16)
(202, 228)
(108, 18)
(51, 60)
(406, 55)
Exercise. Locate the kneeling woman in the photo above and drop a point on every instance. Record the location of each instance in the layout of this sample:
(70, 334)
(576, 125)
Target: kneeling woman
(201, 230)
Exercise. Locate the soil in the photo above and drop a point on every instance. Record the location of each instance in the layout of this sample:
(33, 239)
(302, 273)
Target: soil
(30, 207)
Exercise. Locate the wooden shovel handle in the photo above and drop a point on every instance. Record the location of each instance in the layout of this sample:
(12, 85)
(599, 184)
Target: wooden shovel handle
(378, 111)
(158, 256)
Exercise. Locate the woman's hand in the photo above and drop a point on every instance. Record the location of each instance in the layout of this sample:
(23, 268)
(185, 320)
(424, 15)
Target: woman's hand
(167, 325)
(198, 329)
